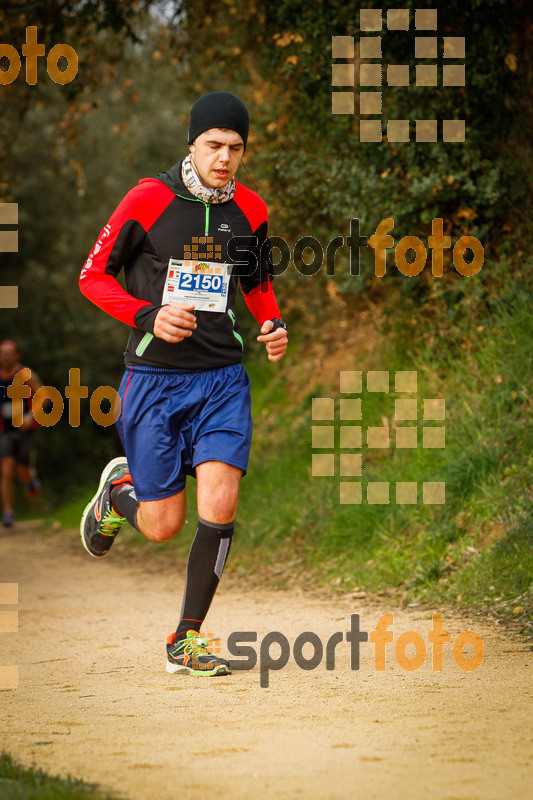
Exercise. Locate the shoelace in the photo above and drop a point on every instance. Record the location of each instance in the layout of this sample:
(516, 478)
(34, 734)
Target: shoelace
(193, 646)
(111, 522)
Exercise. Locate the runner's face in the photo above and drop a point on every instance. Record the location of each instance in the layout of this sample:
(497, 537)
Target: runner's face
(8, 357)
(216, 155)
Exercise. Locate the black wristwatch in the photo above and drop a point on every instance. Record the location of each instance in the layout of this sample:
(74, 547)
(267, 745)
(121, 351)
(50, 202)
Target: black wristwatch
(278, 323)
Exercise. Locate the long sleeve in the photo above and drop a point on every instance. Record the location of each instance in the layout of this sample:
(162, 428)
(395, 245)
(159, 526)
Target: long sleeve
(256, 281)
(118, 242)
(262, 302)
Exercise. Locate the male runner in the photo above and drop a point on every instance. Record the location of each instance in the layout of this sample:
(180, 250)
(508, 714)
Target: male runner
(184, 238)
(16, 443)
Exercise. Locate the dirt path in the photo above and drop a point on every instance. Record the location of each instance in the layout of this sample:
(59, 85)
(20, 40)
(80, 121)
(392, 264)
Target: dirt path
(94, 698)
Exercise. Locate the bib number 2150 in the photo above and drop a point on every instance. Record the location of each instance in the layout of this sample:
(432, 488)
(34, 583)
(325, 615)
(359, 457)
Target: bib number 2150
(209, 283)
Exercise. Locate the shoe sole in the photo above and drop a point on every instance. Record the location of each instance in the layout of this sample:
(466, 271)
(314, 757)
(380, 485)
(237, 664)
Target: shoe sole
(178, 669)
(105, 474)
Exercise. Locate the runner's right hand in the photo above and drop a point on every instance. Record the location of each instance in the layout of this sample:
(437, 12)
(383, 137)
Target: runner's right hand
(174, 322)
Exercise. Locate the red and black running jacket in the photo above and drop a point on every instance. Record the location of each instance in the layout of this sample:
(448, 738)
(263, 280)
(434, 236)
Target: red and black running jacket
(156, 221)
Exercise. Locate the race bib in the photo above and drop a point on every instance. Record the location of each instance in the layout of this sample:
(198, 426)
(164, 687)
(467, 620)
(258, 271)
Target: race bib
(203, 284)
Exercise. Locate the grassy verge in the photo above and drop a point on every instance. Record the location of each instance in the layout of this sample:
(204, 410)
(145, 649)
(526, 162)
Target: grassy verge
(20, 783)
(470, 345)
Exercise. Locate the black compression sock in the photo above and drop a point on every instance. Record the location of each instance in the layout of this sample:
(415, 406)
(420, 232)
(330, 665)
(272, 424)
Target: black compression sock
(205, 564)
(125, 503)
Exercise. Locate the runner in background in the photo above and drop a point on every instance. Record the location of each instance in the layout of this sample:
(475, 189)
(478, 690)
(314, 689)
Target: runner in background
(17, 445)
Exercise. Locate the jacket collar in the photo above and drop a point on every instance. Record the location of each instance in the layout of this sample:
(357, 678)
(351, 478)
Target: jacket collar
(172, 179)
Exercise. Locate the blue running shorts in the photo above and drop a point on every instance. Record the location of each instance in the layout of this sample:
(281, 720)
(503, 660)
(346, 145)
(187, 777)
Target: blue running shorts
(171, 420)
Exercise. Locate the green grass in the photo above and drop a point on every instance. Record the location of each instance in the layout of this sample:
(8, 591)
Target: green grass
(20, 783)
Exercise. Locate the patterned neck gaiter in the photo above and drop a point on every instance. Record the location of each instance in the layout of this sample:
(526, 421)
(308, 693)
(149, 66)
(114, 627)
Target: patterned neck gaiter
(193, 183)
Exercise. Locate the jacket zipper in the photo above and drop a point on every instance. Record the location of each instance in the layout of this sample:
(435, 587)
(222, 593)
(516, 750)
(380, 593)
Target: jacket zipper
(206, 206)
(206, 226)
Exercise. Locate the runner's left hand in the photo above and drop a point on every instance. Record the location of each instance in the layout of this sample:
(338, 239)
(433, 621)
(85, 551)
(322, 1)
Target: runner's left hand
(275, 343)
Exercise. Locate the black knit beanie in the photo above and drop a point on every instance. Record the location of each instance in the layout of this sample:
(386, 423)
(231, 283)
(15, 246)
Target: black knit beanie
(219, 110)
